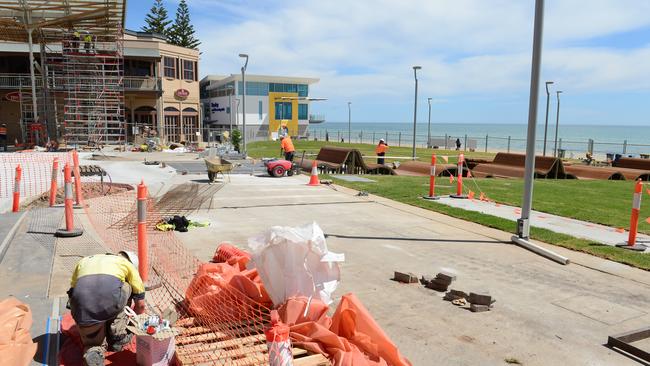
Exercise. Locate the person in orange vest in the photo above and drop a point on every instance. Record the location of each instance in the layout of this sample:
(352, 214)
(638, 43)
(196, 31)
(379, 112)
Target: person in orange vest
(286, 146)
(3, 137)
(380, 150)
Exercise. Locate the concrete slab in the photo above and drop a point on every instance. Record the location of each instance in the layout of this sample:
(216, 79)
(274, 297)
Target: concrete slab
(580, 229)
(379, 236)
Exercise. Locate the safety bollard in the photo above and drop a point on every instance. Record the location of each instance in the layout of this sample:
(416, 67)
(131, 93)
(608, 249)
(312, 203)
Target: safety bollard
(459, 178)
(16, 203)
(77, 178)
(143, 246)
(634, 220)
(53, 183)
(432, 180)
(69, 230)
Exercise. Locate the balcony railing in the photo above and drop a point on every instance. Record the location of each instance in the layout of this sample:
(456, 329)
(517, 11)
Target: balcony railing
(316, 118)
(142, 83)
(131, 83)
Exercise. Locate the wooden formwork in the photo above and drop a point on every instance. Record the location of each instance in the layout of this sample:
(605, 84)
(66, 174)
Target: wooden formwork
(198, 345)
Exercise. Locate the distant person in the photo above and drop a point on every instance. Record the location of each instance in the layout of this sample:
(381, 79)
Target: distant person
(458, 144)
(342, 139)
(380, 150)
(88, 41)
(286, 146)
(327, 136)
(3, 137)
(76, 38)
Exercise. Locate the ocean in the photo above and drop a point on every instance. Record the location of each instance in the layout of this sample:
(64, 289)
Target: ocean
(574, 139)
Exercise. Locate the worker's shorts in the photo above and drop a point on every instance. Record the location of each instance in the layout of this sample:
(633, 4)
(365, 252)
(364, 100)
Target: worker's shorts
(288, 156)
(113, 330)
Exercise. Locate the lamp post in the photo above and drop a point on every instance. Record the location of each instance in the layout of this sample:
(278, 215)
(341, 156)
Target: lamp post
(546, 123)
(243, 82)
(429, 129)
(415, 106)
(557, 123)
(349, 122)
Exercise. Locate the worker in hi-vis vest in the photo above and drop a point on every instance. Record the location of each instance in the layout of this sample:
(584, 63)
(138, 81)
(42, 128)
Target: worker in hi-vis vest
(3, 137)
(286, 146)
(380, 150)
(101, 287)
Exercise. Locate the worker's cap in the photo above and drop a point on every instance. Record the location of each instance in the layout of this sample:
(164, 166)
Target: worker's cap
(131, 256)
(382, 140)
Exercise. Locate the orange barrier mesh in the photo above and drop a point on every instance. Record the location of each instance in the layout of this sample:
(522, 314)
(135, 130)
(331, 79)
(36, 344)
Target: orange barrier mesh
(36, 175)
(223, 308)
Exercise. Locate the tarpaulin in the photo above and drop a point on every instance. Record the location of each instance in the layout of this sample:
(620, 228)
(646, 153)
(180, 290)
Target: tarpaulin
(16, 346)
(351, 337)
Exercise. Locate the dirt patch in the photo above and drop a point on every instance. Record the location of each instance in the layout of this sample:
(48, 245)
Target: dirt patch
(90, 190)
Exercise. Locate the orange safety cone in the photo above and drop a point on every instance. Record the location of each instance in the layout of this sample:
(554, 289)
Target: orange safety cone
(634, 220)
(53, 183)
(313, 180)
(16, 201)
(459, 178)
(143, 246)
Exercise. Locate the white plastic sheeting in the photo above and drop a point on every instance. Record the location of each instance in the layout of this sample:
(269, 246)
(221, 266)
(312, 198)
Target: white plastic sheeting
(295, 261)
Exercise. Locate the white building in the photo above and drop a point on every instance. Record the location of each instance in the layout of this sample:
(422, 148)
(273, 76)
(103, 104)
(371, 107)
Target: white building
(271, 102)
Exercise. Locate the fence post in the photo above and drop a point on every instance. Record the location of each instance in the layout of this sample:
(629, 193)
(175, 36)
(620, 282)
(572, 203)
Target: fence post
(69, 230)
(16, 202)
(386, 136)
(624, 147)
(486, 142)
(590, 146)
(559, 143)
(361, 136)
(143, 248)
(634, 220)
(373, 137)
(465, 144)
(508, 143)
(53, 183)
(446, 138)
(338, 136)
(399, 139)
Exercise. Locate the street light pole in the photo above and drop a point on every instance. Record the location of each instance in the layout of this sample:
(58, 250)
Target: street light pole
(557, 123)
(243, 82)
(523, 224)
(349, 122)
(546, 123)
(415, 106)
(429, 129)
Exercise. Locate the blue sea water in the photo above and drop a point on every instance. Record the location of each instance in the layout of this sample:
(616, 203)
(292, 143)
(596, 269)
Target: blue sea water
(574, 138)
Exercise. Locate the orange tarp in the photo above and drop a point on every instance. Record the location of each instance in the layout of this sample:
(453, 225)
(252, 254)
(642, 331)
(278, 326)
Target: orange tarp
(16, 346)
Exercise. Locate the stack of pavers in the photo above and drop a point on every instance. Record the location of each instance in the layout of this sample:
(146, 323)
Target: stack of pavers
(480, 301)
(439, 283)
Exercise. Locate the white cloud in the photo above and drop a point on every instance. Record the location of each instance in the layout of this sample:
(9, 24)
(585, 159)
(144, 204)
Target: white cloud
(366, 48)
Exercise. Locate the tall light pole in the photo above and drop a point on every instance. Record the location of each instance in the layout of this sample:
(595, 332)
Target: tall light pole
(349, 122)
(243, 82)
(429, 129)
(557, 123)
(415, 106)
(546, 123)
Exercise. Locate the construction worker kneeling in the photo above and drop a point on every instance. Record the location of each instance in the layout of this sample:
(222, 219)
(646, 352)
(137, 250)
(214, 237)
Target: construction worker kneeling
(102, 286)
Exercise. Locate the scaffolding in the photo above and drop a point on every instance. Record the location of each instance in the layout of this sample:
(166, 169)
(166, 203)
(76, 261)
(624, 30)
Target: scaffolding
(93, 67)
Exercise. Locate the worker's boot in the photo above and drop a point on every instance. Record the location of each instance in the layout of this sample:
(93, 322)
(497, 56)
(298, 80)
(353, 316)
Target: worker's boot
(118, 344)
(94, 356)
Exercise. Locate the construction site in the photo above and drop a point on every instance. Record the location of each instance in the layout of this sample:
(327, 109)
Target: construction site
(238, 259)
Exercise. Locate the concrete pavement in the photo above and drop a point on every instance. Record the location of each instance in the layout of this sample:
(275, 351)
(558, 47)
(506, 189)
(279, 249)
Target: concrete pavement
(545, 313)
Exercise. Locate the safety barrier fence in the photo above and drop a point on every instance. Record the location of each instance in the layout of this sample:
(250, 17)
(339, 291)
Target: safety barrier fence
(36, 173)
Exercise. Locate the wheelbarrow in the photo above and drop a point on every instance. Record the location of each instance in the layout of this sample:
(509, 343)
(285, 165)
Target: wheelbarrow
(218, 165)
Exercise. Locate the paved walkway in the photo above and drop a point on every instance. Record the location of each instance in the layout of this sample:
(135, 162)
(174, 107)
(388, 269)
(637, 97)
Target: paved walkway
(580, 229)
(536, 298)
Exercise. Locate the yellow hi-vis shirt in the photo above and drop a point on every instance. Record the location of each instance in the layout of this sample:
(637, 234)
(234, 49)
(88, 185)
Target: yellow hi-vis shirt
(113, 265)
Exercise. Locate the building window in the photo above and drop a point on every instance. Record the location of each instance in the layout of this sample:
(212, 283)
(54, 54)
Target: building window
(170, 67)
(188, 70)
(283, 110)
(303, 111)
(260, 109)
(303, 90)
(253, 88)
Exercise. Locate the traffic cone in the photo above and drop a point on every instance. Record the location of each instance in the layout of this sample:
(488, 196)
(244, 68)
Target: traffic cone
(313, 181)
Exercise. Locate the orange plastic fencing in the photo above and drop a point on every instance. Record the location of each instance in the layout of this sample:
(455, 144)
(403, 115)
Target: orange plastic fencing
(223, 307)
(36, 173)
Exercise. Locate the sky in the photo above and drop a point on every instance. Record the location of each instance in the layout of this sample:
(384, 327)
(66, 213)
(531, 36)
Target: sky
(475, 55)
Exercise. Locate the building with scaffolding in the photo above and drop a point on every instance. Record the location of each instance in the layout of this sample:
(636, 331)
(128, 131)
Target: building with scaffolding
(87, 81)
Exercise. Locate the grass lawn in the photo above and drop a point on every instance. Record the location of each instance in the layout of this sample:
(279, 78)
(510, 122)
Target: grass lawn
(269, 149)
(603, 202)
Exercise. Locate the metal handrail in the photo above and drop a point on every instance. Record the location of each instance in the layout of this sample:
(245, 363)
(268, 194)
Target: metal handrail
(18, 80)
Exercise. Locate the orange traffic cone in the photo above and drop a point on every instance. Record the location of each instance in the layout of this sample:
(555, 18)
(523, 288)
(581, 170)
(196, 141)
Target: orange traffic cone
(313, 181)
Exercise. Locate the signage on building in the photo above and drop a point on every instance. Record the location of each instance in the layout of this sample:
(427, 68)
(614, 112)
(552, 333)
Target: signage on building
(16, 96)
(182, 93)
(214, 107)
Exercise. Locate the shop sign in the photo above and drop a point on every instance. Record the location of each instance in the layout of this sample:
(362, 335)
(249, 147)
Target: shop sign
(182, 93)
(15, 96)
